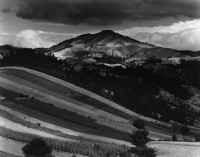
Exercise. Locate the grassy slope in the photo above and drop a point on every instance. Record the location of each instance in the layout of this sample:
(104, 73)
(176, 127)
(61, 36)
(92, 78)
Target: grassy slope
(59, 91)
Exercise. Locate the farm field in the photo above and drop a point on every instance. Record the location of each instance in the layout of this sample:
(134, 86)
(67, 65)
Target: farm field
(21, 128)
(84, 147)
(10, 148)
(59, 91)
(68, 104)
(45, 108)
(54, 129)
(70, 95)
(74, 125)
(27, 124)
(65, 123)
(164, 149)
(86, 96)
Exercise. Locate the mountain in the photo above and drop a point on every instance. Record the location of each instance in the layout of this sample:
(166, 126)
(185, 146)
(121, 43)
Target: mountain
(108, 47)
(109, 43)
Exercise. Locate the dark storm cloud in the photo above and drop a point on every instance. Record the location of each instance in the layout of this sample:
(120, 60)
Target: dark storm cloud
(105, 12)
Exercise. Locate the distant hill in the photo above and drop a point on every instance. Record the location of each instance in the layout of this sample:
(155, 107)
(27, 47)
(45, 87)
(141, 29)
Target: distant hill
(110, 43)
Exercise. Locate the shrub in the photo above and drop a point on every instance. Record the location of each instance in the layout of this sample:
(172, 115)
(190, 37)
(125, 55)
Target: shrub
(37, 147)
(140, 124)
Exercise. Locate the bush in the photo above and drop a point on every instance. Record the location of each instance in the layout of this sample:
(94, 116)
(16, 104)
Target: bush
(140, 124)
(139, 138)
(37, 147)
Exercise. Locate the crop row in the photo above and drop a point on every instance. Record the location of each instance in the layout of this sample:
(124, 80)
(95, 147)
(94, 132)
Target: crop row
(81, 122)
(87, 148)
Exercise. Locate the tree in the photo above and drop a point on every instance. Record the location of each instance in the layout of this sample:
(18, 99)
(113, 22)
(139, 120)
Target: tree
(174, 138)
(37, 148)
(197, 139)
(140, 124)
(184, 130)
(139, 138)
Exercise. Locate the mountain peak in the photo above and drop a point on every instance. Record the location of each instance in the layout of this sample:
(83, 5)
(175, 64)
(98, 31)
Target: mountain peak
(107, 32)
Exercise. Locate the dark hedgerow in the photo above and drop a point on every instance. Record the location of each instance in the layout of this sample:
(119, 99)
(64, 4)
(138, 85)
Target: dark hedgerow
(37, 148)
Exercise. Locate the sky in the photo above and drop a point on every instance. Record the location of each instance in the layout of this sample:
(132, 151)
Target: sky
(43, 23)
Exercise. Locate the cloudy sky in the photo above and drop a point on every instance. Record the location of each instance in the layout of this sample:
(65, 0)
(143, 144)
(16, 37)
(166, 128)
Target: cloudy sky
(43, 23)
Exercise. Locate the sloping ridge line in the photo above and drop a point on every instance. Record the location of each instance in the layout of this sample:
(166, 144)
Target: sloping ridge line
(85, 92)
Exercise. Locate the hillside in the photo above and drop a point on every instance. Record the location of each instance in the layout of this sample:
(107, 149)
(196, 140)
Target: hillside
(63, 109)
